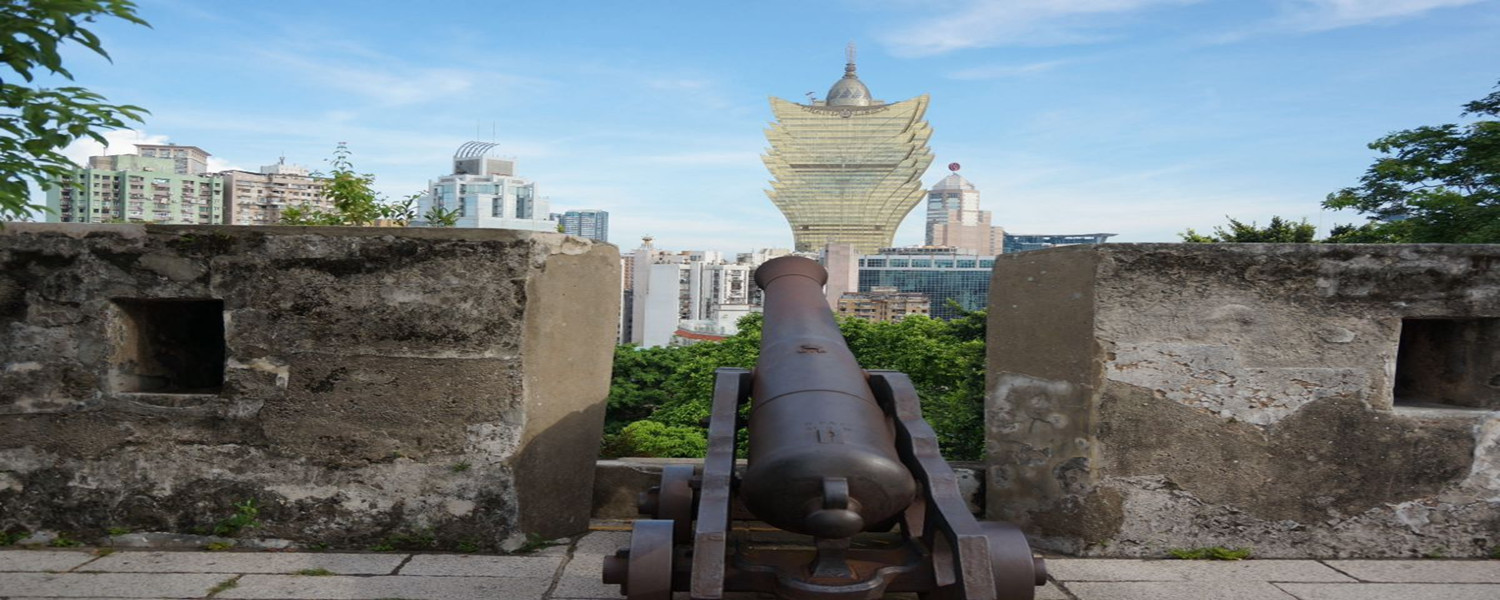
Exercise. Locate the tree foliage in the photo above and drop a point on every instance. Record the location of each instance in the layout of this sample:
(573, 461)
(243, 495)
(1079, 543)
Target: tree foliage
(673, 386)
(1279, 231)
(36, 123)
(1436, 184)
(355, 201)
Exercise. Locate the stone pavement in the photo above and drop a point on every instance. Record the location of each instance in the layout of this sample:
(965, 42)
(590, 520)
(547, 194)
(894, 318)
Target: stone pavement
(571, 572)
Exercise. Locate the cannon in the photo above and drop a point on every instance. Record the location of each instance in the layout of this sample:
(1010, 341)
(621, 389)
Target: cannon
(836, 454)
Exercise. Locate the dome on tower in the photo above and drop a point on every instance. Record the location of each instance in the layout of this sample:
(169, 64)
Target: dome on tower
(849, 90)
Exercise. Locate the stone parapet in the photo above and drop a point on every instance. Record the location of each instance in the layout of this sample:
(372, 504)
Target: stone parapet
(1304, 400)
(356, 384)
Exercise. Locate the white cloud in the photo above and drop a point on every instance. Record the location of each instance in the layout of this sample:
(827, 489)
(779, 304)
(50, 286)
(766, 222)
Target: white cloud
(1321, 15)
(989, 23)
(1002, 71)
(120, 141)
(216, 164)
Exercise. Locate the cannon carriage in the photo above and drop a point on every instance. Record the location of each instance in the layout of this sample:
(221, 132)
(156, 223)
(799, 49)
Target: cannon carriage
(835, 453)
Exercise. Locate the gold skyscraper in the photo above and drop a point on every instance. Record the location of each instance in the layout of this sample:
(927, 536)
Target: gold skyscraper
(847, 168)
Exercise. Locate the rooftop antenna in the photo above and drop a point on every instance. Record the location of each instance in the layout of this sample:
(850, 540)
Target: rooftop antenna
(492, 131)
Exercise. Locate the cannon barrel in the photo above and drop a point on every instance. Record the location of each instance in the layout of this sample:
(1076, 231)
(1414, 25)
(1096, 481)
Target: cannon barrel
(822, 456)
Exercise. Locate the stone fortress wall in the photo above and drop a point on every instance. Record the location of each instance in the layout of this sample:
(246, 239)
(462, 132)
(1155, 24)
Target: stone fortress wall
(359, 383)
(1303, 400)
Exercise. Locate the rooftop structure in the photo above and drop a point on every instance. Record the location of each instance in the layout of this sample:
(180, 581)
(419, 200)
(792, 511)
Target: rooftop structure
(847, 169)
(186, 160)
(484, 192)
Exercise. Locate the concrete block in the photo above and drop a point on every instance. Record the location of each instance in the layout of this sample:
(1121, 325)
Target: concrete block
(1421, 571)
(42, 560)
(108, 585)
(1391, 591)
(245, 562)
(360, 368)
(455, 565)
(1144, 397)
(1183, 590)
(362, 588)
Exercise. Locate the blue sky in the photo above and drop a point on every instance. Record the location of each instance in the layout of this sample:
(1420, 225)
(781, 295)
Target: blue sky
(1136, 117)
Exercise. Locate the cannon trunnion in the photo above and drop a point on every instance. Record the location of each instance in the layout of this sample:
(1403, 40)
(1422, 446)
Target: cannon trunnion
(834, 452)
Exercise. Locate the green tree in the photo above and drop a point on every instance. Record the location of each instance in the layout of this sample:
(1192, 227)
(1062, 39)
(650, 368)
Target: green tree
(437, 216)
(36, 123)
(355, 201)
(1436, 184)
(673, 386)
(1280, 231)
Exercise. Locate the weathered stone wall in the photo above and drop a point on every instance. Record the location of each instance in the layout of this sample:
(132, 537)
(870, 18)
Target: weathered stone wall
(376, 383)
(1304, 400)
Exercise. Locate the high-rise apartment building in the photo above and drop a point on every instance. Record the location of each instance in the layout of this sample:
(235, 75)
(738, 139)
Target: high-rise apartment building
(847, 168)
(483, 191)
(131, 188)
(954, 218)
(258, 198)
(592, 224)
(684, 296)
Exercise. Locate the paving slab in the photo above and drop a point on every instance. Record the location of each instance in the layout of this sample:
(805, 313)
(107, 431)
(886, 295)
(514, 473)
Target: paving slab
(245, 562)
(1119, 570)
(339, 587)
(458, 565)
(1051, 592)
(1176, 590)
(582, 577)
(109, 585)
(1421, 571)
(42, 560)
(1392, 591)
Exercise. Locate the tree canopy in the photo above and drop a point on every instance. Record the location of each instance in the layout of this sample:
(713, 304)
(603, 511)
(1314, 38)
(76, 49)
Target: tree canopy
(1436, 184)
(659, 397)
(37, 122)
(356, 203)
(1278, 231)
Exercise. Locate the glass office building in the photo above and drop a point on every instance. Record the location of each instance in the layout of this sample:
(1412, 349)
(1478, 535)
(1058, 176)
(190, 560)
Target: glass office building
(1023, 243)
(848, 168)
(942, 274)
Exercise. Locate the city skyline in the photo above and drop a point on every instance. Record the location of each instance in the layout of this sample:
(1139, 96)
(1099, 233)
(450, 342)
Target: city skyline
(1141, 117)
